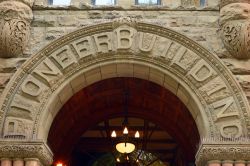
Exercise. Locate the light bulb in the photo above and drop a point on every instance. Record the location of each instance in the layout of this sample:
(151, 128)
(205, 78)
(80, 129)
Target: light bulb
(127, 158)
(125, 131)
(118, 160)
(137, 134)
(113, 135)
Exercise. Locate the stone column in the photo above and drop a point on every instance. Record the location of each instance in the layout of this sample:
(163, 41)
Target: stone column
(240, 163)
(214, 163)
(227, 163)
(15, 19)
(18, 162)
(6, 162)
(235, 27)
(32, 162)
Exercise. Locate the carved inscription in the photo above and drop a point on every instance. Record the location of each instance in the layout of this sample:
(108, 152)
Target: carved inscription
(180, 59)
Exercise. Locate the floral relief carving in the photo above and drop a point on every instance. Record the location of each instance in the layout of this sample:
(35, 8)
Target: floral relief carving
(235, 29)
(235, 41)
(14, 28)
(39, 150)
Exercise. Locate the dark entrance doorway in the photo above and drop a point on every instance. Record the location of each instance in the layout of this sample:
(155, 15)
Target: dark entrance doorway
(80, 133)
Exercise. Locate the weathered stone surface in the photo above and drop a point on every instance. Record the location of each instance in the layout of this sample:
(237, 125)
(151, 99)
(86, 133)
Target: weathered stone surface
(244, 81)
(238, 66)
(10, 65)
(234, 11)
(26, 2)
(226, 2)
(15, 18)
(4, 79)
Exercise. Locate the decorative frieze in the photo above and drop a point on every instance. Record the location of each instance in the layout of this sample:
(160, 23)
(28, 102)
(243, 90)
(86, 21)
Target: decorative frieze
(217, 152)
(15, 19)
(24, 150)
(235, 27)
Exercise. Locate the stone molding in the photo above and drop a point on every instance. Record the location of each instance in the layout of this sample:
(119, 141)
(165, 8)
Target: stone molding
(222, 151)
(235, 27)
(16, 97)
(26, 149)
(15, 19)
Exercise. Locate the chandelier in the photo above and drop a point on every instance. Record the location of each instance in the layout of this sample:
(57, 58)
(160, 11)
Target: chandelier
(124, 143)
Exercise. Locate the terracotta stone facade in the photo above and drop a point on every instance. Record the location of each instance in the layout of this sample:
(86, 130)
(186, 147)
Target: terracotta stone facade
(197, 50)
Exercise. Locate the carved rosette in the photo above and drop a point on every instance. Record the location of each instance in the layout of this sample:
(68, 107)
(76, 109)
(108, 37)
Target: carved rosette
(235, 27)
(39, 150)
(15, 19)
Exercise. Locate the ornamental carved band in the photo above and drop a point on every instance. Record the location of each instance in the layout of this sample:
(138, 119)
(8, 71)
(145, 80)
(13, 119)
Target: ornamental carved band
(15, 19)
(235, 27)
(22, 149)
(222, 151)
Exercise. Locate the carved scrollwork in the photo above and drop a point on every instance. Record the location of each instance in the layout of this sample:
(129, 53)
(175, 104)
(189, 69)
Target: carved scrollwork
(39, 150)
(14, 28)
(236, 38)
(235, 29)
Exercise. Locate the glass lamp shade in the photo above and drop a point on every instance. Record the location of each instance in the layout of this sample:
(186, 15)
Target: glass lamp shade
(125, 147)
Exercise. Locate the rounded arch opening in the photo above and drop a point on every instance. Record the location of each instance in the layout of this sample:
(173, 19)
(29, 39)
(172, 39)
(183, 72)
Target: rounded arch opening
(45, 82)
(104, 100)
(131, 69)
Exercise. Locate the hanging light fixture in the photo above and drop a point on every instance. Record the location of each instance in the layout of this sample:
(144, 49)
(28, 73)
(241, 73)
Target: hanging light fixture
(125, 144)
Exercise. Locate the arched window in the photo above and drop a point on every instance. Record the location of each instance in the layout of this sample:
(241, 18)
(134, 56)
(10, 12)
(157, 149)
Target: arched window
(103, 2)
(59, 2)
(147, 2)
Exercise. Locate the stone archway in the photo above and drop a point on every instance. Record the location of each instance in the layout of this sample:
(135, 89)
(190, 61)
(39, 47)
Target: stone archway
(129, 48)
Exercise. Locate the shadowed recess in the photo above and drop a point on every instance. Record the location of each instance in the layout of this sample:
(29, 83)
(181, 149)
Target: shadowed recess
(105, 100)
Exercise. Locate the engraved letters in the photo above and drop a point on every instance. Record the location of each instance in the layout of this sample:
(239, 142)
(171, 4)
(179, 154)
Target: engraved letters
(124, 37)
(64, 57)
(202, 77)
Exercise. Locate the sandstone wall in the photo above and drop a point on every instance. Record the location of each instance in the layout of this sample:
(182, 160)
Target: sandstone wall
(199, 23)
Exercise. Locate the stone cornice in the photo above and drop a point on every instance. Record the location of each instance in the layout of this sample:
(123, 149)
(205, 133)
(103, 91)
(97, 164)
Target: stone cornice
(222, 151)
(25, 149)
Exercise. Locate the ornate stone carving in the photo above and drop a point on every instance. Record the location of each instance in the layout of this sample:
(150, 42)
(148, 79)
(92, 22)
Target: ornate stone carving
(130, 21)
(217, 149)
(39, 150)
(15, 19)
(223, 103)
(235, 28)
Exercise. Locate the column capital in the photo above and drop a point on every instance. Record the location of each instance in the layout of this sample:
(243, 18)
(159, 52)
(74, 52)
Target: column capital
(222, 150)
(28, 150)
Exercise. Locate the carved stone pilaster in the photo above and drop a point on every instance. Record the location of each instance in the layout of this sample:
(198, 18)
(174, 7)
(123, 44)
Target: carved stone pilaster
(22, 149)
(235, 27)
(15, 19)
(221, 150)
